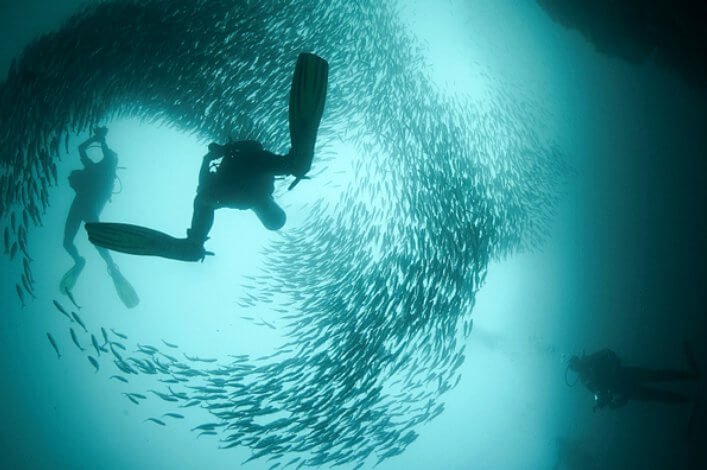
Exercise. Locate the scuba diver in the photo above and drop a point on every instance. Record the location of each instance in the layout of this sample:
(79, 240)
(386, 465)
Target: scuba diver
(614, 384)
(93, 185)
(244, 178)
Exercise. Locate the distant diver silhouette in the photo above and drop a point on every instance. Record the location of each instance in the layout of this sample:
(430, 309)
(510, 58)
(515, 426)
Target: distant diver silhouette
(244, 179)
(93, 185)
(614, 385)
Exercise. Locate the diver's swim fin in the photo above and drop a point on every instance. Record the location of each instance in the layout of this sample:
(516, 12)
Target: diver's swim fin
(307, 98)
(136, 240)
(124, 289)
(68, 280)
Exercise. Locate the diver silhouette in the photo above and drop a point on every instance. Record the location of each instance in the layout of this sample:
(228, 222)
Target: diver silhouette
(244, 180)
(93, 185)
(614, 384)
(244, 177)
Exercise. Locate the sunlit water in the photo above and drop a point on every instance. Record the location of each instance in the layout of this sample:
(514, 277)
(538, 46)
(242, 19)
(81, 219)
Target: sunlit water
(511, 404)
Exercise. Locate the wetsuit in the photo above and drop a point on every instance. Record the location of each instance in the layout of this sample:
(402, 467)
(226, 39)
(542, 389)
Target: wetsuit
(245, 179)
(93, 185)
(614, 385)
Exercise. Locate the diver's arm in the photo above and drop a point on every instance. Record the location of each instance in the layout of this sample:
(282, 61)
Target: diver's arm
(100, 137)
(276, 164)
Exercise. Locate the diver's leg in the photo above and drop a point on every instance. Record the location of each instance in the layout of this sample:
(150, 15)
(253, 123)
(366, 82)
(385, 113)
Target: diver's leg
(640, 374)
(105, 254)
(202, 219)
(270, 214)
(643, 393)
(71, 228)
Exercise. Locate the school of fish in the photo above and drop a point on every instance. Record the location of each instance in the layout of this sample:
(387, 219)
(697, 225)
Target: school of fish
(376, 290)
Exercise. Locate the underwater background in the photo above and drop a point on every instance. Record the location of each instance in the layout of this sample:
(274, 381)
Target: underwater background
(495, 190)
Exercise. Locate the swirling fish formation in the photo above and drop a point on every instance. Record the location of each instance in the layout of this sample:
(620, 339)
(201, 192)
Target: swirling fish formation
(379, 284)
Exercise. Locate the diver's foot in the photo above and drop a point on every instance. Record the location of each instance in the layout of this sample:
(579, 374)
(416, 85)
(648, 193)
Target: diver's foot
(68, 281)
(123, 288)
(191, 250)
(192, 247)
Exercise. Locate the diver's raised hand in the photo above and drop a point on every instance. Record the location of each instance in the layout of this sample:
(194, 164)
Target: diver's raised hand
(100, 132)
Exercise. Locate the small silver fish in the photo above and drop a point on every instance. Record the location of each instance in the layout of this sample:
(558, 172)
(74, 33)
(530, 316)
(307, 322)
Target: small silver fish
(54, 345)
(170, 345)
(79, 321)
(63, 310)
(119, 335)
(18, 289)
(155, 420)
(75, 339)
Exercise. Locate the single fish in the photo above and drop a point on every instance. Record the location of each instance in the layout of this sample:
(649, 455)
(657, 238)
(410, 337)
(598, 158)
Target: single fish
(79, 321)
(169, 381)
(75, 339)
(182, 396)
(191, 403)
(155, 420)
(174, 415)
(119, 335)
(28, 287)
(25, 265)
(269, 325)
(149, 350)
(93, 362)
(54, 345)
(164, 396)
(71, 298)
(131, 398)
(200, 359)
(170, 345)
(27, 273)
(18, 289)
(63, 311)
(119, 378)
(98, 349)
(116, 353)
(205, 427)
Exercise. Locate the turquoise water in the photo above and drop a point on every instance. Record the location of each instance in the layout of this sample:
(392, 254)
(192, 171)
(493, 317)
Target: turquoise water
(618, 264)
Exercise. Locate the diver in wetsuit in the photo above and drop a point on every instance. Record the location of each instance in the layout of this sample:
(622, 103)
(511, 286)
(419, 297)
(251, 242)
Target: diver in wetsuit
(244, 178)
(93, 185)
(614, 384)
